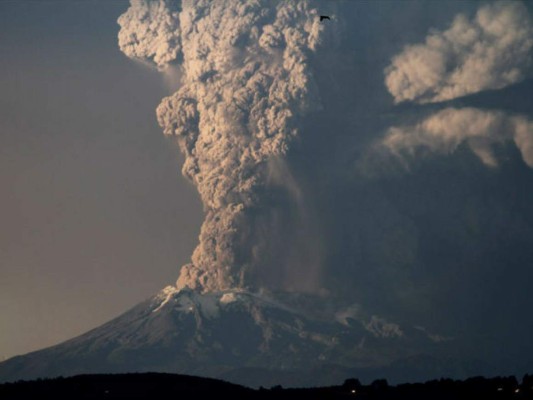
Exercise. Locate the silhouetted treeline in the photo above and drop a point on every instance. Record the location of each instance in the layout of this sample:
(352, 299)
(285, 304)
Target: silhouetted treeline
(153, 385)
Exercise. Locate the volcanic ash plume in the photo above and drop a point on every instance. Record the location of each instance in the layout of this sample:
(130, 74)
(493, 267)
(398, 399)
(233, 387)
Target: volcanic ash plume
(246, 83)
(444, 131)
(150, 31)
(491, 51)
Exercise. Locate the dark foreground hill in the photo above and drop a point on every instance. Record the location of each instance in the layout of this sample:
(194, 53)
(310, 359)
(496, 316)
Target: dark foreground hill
(154, 385)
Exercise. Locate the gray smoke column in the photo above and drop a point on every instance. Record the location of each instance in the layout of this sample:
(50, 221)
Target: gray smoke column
(246, 84)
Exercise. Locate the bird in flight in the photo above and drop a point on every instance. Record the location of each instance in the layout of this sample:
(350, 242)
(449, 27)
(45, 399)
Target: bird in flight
(323, 17)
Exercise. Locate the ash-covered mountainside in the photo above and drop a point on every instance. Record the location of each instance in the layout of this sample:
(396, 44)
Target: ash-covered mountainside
(241, 337)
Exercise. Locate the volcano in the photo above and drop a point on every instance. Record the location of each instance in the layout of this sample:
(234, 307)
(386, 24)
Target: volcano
(242, 337)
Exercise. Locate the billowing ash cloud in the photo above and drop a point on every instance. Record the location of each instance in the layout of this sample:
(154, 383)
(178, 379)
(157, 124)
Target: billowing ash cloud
(491, 51)
(445, 130)
(246, 83)
(149, 30)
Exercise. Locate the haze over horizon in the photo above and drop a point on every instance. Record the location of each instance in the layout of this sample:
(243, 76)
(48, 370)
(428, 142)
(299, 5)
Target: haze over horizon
(381, 160)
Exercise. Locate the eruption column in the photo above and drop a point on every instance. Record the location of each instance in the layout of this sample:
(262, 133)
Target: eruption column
(246, 84)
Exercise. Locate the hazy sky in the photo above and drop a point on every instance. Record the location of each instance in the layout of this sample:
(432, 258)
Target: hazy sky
(416, 173)
(95, 215)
